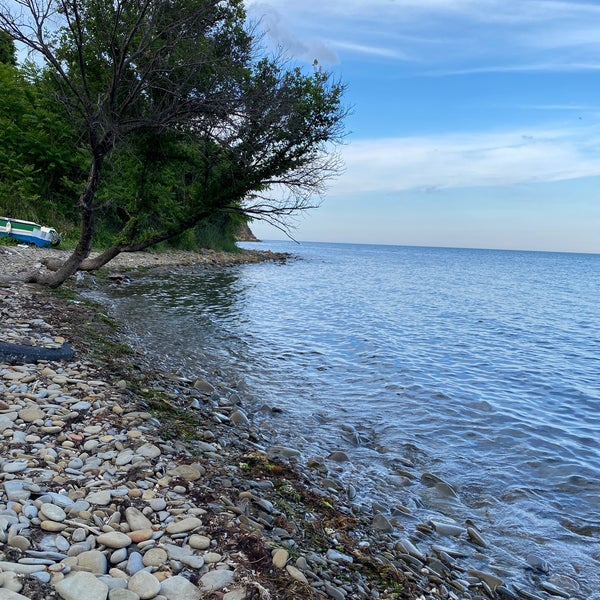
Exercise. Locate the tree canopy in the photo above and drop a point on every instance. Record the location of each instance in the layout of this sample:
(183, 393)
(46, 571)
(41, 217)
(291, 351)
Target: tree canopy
(177, 116)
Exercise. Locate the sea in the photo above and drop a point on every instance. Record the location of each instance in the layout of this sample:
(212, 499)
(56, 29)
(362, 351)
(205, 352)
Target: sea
(462, 384)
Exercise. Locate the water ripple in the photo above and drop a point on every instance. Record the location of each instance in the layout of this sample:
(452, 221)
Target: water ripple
(480, 368)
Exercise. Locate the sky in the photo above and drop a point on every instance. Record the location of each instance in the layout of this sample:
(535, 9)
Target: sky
(474, 123)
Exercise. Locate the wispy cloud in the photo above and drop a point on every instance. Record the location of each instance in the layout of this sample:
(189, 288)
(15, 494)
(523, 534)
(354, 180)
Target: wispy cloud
(472, 35)
(369, 50)
(553, 67)
(462, 161)
(581, 108)
(300, 46)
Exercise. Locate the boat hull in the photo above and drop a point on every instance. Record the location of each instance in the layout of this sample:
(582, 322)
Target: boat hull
(29, 232)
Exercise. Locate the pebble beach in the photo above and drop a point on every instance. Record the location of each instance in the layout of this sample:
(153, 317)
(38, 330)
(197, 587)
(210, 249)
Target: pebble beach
(121, 481)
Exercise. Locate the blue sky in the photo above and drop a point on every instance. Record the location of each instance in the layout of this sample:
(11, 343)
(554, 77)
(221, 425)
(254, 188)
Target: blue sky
(475, 123)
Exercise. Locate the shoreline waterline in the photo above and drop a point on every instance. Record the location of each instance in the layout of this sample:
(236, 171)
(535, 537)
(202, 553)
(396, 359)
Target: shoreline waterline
(101, 445)
(433, 565)
(273, 371)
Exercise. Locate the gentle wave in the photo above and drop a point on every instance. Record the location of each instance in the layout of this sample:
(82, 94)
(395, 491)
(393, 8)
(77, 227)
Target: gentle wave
(479, 367)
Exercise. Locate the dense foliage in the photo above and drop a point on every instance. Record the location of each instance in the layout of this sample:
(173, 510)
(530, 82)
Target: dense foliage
(42, 162)
(153, 118)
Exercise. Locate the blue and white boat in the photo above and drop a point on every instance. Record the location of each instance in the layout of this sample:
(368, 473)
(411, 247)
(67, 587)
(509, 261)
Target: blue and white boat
(29, 232)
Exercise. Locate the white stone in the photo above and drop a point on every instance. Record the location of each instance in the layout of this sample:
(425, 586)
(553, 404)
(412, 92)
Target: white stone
(114, 539)
(212, 557)
(148, 451)
(29, 414)
(144, 584)
(280, 558)
(216, 580)
(296, 574)
(199, 542)
(124, 458)
(79, 585)
(177, 552)
(158, 504)
(184, 525)
(6, 594)
(15, 490)
(179, 588)
(239, 594)
(99, 498)
(18, 567)
(53, 512)
(122, 594)
(92, 561)
(193, 561)
(15, 466)
(136, 519)
(155, 557)
(10, 581)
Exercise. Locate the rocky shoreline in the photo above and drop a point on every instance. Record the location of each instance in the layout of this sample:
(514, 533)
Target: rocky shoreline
(120, 481)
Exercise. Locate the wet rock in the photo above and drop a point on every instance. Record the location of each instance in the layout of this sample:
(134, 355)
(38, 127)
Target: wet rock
(476, 537)
(447, 529)
(339, 557)
(338, 456)
(381, 523)
(238, 417)
(204, 386)
(537, 563)
(491, 580)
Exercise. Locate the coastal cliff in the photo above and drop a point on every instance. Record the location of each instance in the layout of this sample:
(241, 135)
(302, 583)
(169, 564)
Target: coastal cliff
(245, 234)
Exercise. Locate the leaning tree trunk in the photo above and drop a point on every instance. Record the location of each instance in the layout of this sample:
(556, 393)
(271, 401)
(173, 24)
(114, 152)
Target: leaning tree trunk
(84, 246)
(97, 262)
(92, 264)
(89, 264)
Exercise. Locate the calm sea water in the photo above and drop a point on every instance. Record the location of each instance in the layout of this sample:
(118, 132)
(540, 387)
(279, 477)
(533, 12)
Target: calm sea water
(479, 367)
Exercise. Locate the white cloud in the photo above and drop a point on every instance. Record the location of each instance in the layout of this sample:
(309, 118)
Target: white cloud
(371, 50)
(550, 67)
(461, 161)
(520, 34)
(276, 28)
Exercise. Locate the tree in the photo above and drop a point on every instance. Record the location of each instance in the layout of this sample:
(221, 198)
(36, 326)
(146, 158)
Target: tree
(170, 92)
(273, 159)
(41, 166)
(123, 67)
(7, 49)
